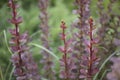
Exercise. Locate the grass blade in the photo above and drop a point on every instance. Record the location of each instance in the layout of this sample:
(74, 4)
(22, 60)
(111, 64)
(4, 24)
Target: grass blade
(7, 42)
(101, 67)
(41, 47)
(7, 70)
(10, 77)
(104, 74)
(1, 74)
(34, 34)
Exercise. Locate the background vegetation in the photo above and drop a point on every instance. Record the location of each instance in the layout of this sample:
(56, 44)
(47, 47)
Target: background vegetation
(58, 10)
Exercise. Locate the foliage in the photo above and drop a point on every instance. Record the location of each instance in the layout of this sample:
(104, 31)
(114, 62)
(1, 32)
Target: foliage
(75, 13)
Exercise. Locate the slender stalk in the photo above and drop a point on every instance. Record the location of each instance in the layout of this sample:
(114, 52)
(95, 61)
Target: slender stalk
(64, 50)
(91, 50)
(65, 54)
(92, 57)
(16, 30)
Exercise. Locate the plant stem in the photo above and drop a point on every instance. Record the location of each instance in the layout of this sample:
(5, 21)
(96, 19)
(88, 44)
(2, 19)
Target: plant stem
(90, 49)
(16, 31)
(65, 55)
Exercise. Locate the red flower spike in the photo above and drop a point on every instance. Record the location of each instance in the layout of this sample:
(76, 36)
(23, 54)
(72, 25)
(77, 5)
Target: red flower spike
(92, 60)
(22, 60)
(93, 51)
(46, 61)
(65, 61)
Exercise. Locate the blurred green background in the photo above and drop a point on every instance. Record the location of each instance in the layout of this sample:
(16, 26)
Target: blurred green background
(29, 10)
